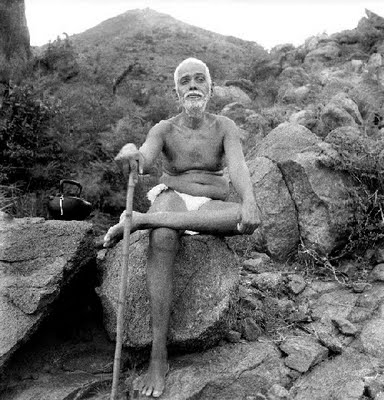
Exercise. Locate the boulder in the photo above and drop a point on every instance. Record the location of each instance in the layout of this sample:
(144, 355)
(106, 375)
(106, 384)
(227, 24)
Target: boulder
(340, 111)
(303, 352)
(327, 52)
(319, 194)
(278, 235)
(321, 198)
(313, 42)
(283, 142)
(290, 94)
(206, 277)
(296, 75)
(37, 259)
(307, 118)
(242, 83)
(237, 112)
(230, 94)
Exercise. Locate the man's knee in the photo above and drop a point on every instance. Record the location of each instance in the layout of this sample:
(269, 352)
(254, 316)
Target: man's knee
(164, 239)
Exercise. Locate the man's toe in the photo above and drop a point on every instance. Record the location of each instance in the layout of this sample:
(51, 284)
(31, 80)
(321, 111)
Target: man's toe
(157, 393)
(147, 391)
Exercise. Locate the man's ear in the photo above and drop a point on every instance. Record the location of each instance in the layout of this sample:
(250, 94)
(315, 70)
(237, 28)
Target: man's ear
(212, 86)
(174, 93)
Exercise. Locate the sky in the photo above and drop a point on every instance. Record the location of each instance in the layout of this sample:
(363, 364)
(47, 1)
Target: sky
(267, 22)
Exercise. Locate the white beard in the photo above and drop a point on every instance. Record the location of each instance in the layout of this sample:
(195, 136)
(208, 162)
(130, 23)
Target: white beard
(195, 107)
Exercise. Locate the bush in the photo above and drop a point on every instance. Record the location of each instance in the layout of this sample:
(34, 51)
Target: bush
(363, 159)
(60, 58)
(28, 149)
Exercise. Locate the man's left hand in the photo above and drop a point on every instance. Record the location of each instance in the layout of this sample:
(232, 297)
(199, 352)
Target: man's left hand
(249, 217)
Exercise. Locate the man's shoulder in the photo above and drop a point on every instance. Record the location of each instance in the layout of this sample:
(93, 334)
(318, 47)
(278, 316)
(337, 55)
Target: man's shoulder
(225, 124)
(161, 128)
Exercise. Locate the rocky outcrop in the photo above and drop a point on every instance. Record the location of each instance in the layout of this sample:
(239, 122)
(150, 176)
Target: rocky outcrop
(278, 234)
(229, 94)
(327, 52)
(37, 259)
(206, 277)
(340, 111)
(319, 194)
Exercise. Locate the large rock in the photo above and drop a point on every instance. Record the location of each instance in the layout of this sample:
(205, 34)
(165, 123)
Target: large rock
(278, 234)
(322, 201)
(327, 52)
(230, 94)
(283, 142)
(340, 111)
(37, 258)
(341, 378)
(236, 372)
(206, 277)
(320, 194)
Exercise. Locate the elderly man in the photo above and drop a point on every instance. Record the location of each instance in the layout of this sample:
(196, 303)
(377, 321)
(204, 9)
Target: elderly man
(195, 144)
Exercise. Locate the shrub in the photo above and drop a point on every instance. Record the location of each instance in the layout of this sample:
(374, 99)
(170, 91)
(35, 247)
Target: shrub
(363, 159)
(28, 148)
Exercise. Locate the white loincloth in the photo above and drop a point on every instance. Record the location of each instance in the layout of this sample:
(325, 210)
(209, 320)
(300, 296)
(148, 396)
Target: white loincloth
(192, 203)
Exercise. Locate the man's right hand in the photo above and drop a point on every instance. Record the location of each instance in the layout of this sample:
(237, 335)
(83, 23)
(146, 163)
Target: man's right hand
(131, 154)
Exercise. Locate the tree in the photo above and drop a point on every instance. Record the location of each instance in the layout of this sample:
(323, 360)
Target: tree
(14, 40)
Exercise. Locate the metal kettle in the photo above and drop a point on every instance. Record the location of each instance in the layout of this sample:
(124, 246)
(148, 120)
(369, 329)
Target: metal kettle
(69, 207)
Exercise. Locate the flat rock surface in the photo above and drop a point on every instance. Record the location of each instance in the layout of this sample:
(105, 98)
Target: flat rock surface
(37, 258)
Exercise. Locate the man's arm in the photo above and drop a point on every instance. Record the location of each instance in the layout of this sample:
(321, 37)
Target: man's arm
(240, 178)
(148, 152)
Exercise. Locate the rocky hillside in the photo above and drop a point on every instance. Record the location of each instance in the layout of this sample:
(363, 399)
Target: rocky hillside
(297, 312)
(158, 43)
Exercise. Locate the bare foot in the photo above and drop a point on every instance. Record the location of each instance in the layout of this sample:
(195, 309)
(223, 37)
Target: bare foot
(116, 232)
(153, 382)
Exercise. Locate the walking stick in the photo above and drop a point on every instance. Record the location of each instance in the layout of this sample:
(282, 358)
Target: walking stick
(123, 282)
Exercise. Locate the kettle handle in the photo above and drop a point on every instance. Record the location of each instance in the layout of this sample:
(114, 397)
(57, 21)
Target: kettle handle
(71, 182)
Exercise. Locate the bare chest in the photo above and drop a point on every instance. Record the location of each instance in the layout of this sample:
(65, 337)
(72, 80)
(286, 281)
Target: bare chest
(194, 149)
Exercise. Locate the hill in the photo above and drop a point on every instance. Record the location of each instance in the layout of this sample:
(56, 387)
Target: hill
(158, 43)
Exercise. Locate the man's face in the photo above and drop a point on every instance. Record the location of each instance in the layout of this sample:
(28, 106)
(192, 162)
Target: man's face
(193, 88)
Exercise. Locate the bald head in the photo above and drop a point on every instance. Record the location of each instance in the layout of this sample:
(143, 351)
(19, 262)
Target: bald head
(188, 61)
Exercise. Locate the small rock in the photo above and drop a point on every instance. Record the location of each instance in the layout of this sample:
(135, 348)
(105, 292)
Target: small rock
(330, 342)
(345, 327)
(359, 287)
(277, 392)
(5, 217)
(377, 273)
(263, 256)
(243, 292)
(285, 305)
(251, 331)
(296, 284)
(379, 255)
(252, 303)
(255, 265)
(348, 268)
(357, 65)
(233, 336)
(300, 315)
(359, 314)
(370, 254)
(303, 352)
(267, 280)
